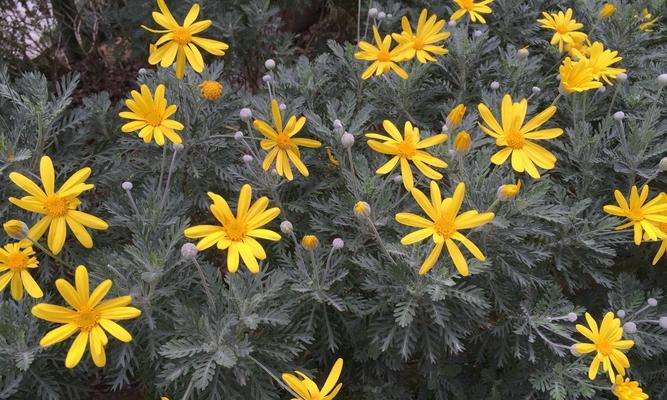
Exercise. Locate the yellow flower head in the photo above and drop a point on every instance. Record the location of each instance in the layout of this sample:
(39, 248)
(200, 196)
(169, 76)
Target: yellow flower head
(607, 10)
(210, 90)
(362, 209)
(308, 390)
(58, 207)
(383, 57)
(455, 116)
(509, 191)
(642, 216)
(15, 264)
(565, 26)
(443, 224)
(647, 26)
(580, 44)
(662, 226)
(310, 242)
(462, 142)
(600, 61)
(178, 42)
(281, 144)
(15, 229)
(89, 318)
(407, 148)
(238, 234)
(607, 344)
(515, 137)
(474, 9)
(577, 76)
(422, 43)
(150, 115)
(627, 389)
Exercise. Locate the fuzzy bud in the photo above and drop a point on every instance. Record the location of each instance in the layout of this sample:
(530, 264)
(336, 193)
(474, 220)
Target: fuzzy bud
(455, 116)
(177, 146)
(571, 317)
(16, 229)
(245, 114)
(445, 128)
(310, 242)
(210, 90)
(373, 12)
(362, 209)
(601, 89)
(619, 115)
(477, 33)
(274, 172)
(620, 313)
(462, 142)
(451, 23)
(189, 250)
(663, 164)
(337, 124)
(127, 186)
(630, 327)
(652, 302)
(338, 243)
(267, 78)
(662, 79)
(607, 10)
(663, 322)
(238, 135)
(381, 15)
(622, 77)
(508, 191)
(390, 15)
(573, 351)
(286, 227)
(495, 85)
(347, 140)
(523, 53)
(247, 158)
(269, 64)
(282, 106)
(535, 90)
(398, 179)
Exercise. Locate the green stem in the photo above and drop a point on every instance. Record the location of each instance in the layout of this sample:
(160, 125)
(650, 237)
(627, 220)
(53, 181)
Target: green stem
(275, 378)
(49, 253)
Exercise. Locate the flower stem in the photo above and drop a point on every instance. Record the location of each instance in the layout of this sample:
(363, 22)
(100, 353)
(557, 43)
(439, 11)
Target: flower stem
(166, 186)
(49, 253)
(204, 282)
(379, 239)
(275, 378)
(162, 165)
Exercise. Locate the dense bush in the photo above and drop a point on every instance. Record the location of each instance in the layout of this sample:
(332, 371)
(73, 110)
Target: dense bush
(355, 291)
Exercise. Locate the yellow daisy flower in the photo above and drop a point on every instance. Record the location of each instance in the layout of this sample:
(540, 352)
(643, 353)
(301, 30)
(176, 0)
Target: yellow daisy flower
(474, 9)
(238, 234)
(663, 246)
(150, 115)
(15, 265)
(565, 26)
(179, 42)
(515, 137)
(606, 342)
(281, 145)
(444, 224)
(643, 216)
(89, 318)
(423, 42)
(210, 90)
(308, 390)
(384, 58)
(578, 43)
(58, 207)
(600, 61)
(647, 26)
(607, 10)
(407, 148)
(577, 76)
(627, 389)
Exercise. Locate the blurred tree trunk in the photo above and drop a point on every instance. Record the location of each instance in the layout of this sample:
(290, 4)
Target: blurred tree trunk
(65, 12)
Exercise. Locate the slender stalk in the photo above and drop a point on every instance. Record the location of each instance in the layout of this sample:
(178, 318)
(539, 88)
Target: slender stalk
(166, 186)
(275, 378)
(553, 103)
(358, 20)
(493, 205)
(132, 202)
(162, 165)
(379, 239)
(49, 253)
(613, 99)
(204, 282)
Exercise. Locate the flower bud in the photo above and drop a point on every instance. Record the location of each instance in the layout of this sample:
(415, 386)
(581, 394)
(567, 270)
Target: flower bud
(347, 140)
(373, 12)
(662, 79)
(245, 114)
(477, 33)
(390, 15)
(189, 250)
(362, 209)
(573, 351)
(274, 172)
(398, 179)
(267, 78)
(282, 106)
(619, 115)
(337, 124)
(238, 135)
(630, 327)
(571, 317)
(381, 15)
(310, 242)
(663, 322)
(607, 10)
(338, 243)
(652, 302)
(523, 52)
(622, 77)
(601, 89)
(16, 229)
(127, 185)
(535, 90)
(495, 85)
(210, 90)
(508, 191)
(247, 158)
(663, 164)
(177, 146)
(462, 142)
(620, 313)
(451, 23)
(455, 117)
(269, 64)
(286, 227)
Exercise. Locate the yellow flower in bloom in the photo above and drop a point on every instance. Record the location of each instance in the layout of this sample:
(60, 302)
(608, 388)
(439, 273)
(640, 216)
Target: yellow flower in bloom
(384, 58)
(407, 148)
(648, 25)
(422, 43)
(281, 144)
(89, 318)
(663, 246)
(58, 207)
(580, 44)
(310, 242)
(642, 216)
(607, 10)
(627, 389)
(565, 26)
(150, 115)
(462, 142)
(606, 342)
(509, 191)
(444, 224)
(514, 136)
(238, 234)
(179, 42)
(15, 229)
(15, 264)
(455, 116)
(577, 76)
(474, 9)
(210, 90)
(600, 61)
(308, 390)
(362, 209)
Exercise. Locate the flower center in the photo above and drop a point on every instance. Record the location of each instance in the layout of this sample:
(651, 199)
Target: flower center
(515, 139)
(235, 230)
(153, 118)
(181, 35)
(605, 347)
(16, 261)
(406, 149)
(468, 5)
(87, 319)
(417, 43)
(56, 206)
(283, 141)
(562, 28)
(384, 56)
(635, 214)
(445, 227)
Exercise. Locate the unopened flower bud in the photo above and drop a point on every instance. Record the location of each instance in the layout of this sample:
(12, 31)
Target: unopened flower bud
(652, 302)
(571, 317)
(620, 313)
(238, 135)
(622, 77)
(495, 85)
(523, 53)
(310, 242)
(398, 179)
(127, 185)
(16, 229)
(338, 243)
(477, 33)
(282, 106)
(508, 191)
(663, 322)
(662, 79)
(601, 89)
(267, 78)
(245, 114)
(362, 209)
(337, 124)
(189, 250)
(445, 128)
(451, 23)
(347, 140)
(619, 115)
(247, 158)
(269, 64)
(535, 90)
(630, 327)
(210, 90)
(286, 227)
(573, 351)
(455, 116)
(607, 10)
(663, 164)
(462, 142)
(381, 15)
(373, 12)
(274, 172)
(390, 15)
(177, 146)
